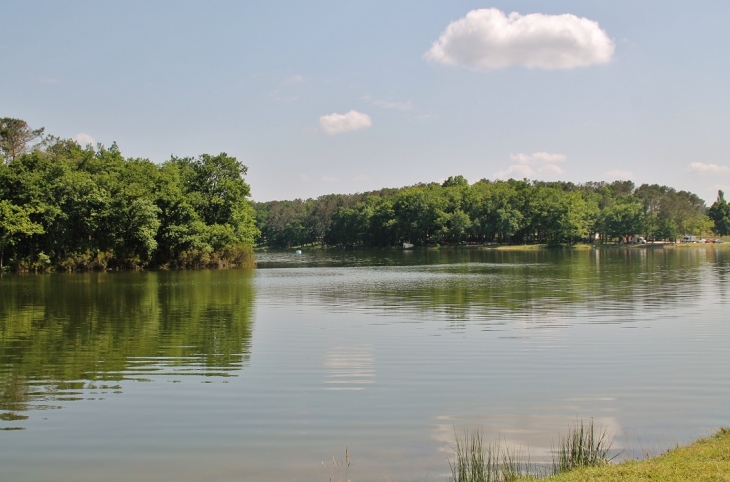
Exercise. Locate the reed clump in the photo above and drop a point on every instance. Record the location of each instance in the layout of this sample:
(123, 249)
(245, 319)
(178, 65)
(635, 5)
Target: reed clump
(582, 446)
(477, 461)
(339, 471)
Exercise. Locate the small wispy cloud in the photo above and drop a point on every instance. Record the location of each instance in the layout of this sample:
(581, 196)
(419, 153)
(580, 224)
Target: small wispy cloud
(333, 124)
(702, 168)
(537, 158)
(295, 79)
(305, 177)
(550, 168)
(84, 139)
(619, 174)
(403, 106)
(530, 165)
(361, 177)
(518, 170)
(329, 179)
(284, 98)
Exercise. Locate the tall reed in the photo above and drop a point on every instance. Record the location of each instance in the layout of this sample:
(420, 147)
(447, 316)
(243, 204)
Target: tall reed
(340, 468)
(475, 461)
(583, 446)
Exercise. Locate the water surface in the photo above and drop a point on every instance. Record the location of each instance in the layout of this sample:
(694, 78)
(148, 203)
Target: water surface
(263, 374)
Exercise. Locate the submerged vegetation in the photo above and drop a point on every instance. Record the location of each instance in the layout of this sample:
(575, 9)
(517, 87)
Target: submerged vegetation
(68, 207)
(487, 211)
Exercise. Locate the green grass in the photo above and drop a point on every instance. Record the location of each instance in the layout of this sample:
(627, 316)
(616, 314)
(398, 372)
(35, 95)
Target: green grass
(707, 459)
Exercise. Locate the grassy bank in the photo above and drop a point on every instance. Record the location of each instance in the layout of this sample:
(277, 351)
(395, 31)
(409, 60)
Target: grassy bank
(585, 454)
(707, 459)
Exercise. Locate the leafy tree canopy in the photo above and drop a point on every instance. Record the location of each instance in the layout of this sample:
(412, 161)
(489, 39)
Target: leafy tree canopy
(79, 207)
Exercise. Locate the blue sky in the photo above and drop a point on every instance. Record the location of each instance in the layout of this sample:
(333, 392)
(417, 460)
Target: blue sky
(647, 98)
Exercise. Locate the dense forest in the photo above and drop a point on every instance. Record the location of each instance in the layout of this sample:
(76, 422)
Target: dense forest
(510, 211)
(68, 207)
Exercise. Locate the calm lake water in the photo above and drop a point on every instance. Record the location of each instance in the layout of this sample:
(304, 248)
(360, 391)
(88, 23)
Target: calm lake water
(246, 375)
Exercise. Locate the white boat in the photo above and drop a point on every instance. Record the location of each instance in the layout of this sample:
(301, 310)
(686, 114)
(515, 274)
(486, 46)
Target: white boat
(407, 245)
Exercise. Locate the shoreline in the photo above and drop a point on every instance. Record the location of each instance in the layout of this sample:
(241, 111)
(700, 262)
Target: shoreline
(707, 458)
(501, 247)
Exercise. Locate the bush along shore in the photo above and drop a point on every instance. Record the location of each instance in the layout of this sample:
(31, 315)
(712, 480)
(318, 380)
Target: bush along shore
(68, 207)
(585, 454)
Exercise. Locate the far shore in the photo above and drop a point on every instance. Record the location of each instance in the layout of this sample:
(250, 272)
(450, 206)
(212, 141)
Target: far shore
(512, 247)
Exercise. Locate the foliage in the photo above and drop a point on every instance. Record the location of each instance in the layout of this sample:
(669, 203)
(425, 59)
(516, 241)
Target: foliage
(623, 219)
(15, 135)
(485, 212)
(15, 224)
(719, 213)
(77, 208)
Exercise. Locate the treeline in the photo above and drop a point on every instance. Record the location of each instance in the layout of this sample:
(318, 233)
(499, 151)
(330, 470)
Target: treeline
(488, 211)
(63, 206)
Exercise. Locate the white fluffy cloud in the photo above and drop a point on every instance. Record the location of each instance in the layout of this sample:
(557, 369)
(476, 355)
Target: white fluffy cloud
(488, 39)
(531, 165)
(619, 174)
(338, 123)
(703, 168)
(83, 139)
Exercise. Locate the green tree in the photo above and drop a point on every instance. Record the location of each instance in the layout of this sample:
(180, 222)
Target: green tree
(719, 213)
(665, 229)
(15, 224)
(701, 224)
(458, 224)
(15, 135)
(453, 181)
(623, 219)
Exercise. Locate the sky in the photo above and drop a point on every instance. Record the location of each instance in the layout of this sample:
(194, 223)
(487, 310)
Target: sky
(324, 97)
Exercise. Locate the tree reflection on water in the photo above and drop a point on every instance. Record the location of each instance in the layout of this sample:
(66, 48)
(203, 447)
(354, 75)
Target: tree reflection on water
(79, 336)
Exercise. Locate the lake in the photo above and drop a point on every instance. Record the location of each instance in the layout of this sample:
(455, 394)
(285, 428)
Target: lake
(264, 374)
